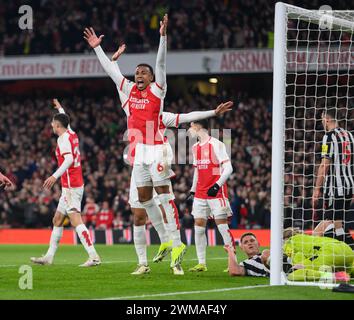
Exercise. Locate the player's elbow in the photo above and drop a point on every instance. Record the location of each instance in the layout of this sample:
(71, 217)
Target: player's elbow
(69, 159)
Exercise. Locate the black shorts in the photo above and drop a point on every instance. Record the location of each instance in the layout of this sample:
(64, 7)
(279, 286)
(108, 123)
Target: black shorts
(338, 209)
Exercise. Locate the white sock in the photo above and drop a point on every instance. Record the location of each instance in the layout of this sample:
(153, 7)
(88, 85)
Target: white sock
(172, 218)
(55, 237)
(225, 233)
(155, 216)
(200, 243)
(167, 227)
(340, 232)
(140, 243)
(86, 241)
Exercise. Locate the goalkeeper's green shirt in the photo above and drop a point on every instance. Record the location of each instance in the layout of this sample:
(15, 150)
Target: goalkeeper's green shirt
(314, 252)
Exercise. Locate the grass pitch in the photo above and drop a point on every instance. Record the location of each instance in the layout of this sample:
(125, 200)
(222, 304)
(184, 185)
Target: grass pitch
(112, 280)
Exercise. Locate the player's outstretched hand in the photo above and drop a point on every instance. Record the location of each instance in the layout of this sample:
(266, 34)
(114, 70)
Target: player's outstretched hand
(119, 52)
(230, 249)
(91, 38)
(49, 183)
(57, 104)
(212, 192)
(6, 182)
(163, 25)
(223, 108)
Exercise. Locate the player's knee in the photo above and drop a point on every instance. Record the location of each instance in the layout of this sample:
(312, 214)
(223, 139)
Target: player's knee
(75, 217)
(221, 219)
(144, 194)
(58, 220)
(162, 189)
(139, 218)
(200, 222)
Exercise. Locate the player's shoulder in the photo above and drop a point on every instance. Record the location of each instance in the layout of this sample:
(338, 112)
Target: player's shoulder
(195, 146)
(64, 137)
(216, 142)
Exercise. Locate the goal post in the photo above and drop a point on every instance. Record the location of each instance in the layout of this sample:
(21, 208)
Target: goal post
(313, 71)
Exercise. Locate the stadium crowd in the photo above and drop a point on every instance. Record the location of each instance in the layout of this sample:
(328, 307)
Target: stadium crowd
(27, 156)
(194, 24)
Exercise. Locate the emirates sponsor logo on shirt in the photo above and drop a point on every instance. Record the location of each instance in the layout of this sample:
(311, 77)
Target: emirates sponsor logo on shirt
(203, 161)
(136, 103)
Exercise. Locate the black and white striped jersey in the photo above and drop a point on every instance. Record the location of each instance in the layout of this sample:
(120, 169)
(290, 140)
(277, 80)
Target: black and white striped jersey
(254, 267)
(338, 146)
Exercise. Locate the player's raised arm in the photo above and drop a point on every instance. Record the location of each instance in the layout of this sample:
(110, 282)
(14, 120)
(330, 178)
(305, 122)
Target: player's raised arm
(200, 115)
(110, 67)
(60, 108)
(234, 268)
(160, 69)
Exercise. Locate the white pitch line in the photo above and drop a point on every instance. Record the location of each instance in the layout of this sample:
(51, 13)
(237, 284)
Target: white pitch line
(185, 292)
(103, 262)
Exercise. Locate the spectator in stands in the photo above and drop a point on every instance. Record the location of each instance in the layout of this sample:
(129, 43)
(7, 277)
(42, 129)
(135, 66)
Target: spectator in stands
(105, 217)
(91, 209)
(28, 156)
(215, 24)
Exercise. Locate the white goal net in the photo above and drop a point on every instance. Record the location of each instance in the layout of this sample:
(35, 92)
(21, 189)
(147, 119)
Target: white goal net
(313, 82)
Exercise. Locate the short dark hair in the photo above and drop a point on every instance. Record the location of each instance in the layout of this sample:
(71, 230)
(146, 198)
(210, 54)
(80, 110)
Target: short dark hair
(248, 234)
(204, 123)
(62, 118)
(146, 65)
(331, 113)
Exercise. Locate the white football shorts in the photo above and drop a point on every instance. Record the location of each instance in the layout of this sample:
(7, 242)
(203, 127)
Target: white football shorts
(152, 164)
(70, 198)
(218, 208)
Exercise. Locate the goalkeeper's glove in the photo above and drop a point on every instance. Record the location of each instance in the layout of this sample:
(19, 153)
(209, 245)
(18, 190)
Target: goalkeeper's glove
(190, 196)
(213, 190)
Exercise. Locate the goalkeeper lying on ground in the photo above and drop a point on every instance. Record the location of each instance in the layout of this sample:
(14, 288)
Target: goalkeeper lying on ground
(314, 257)
(305, 257)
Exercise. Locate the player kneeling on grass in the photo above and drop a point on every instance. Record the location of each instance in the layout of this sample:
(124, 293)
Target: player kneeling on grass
(212, 169)
(257, 263)
(70, 171)
(313, 257)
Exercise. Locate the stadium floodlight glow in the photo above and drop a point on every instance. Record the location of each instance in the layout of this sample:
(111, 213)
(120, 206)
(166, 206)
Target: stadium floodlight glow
(313, 70)
(213, 80)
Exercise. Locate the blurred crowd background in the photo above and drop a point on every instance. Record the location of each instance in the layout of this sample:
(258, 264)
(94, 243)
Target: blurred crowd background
(27, 155)
(194, 24)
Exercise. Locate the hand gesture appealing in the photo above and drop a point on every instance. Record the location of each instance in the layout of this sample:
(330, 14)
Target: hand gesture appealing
(119, 52)
(91, 38)
(223, 108)
(163, 25)
(57, 104)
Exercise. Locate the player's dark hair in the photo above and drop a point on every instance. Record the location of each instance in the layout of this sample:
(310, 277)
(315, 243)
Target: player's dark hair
(62, 118)
(146, 65)
(204, 123)
(331, 113)
(248, 234)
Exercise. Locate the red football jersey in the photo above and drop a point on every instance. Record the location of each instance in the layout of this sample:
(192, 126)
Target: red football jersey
(105, 219)
(90, 211)
(208, 158)
(69, 143)
(145, 116)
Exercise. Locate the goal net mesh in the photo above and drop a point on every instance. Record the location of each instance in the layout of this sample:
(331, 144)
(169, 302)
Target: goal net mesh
(319, 77)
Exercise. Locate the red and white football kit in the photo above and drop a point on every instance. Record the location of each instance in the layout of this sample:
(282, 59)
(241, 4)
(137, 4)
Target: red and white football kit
(72, 180)
(208, 158)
